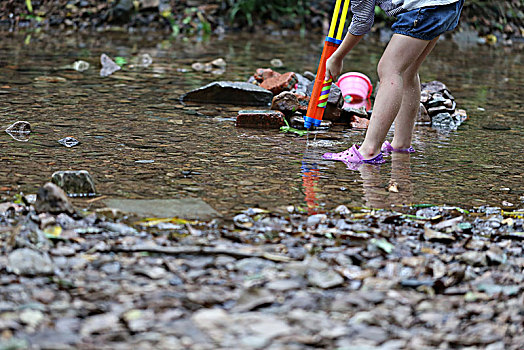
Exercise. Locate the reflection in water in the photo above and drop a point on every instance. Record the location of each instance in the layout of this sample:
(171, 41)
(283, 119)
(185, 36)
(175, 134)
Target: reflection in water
(19, 131)
(399, 190)
(310, 176)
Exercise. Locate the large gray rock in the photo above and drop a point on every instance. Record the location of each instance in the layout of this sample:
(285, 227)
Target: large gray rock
(74, 183)
(231, 92)
(52, 199)
(27, 262)
(186, 208)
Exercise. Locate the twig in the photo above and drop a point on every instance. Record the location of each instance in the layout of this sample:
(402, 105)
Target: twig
(198, 250)
(96, 199)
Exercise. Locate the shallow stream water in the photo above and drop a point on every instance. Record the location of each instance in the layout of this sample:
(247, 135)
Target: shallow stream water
(139, 141)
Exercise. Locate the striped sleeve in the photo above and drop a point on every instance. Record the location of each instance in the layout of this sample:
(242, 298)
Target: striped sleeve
(363, 16)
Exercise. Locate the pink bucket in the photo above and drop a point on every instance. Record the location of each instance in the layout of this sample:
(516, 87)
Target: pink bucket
(355, 87)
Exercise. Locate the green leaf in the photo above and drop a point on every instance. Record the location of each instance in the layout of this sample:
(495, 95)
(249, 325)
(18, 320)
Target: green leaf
(288, 128)
(29, 5)
(121, 61)
(423, 205)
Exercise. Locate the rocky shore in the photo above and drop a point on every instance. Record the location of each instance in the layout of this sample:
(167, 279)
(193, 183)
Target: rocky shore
(420, 277)
(494, 21)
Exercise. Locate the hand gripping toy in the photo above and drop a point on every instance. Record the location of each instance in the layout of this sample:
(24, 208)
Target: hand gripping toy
(319, 96)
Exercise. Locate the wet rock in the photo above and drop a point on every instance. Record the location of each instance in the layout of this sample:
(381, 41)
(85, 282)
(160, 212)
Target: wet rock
(69, 142)
(440, 106)
(285, 102)
(432, 111)
(229, 92)
(276, 62)
(75, 183)
(444, 121)
(198, 67)
(422, 115)
(297, 122)
(217, 66)
(433, 86)
(262, 74)
(260, 119)
(80, 66)
(52, 199)
(28, 262)
(144, 60)
(331, 113)
(108, 66)
(219, 62)
(19, 131)
(348, 112)
(302, 85)
(278, 84)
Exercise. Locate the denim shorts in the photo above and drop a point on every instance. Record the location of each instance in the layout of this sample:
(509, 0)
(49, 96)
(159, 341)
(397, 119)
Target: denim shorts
(427, 23)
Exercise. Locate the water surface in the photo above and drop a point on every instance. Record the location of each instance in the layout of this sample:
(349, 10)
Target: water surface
(139, 141)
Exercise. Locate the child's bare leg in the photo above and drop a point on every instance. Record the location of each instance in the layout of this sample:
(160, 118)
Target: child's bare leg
(401, 52)
(405, 119)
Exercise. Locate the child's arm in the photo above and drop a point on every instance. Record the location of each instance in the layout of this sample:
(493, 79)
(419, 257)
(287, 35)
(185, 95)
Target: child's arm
(363, 17)
(334, 63)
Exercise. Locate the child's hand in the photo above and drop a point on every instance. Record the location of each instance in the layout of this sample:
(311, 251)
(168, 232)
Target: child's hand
(333, 67)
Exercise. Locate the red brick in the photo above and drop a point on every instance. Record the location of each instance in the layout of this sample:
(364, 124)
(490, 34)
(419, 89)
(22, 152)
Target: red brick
(278, 84)
(262, 74)
(260, 119)
(359, 123)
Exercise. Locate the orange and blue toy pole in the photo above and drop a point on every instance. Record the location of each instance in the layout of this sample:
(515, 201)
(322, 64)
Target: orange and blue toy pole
(319, 96)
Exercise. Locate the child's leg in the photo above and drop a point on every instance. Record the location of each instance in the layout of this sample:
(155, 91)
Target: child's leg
(401, 52)
(405, 119)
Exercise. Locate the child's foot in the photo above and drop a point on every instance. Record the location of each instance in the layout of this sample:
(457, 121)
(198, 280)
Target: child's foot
(352, 155)
(386, 147)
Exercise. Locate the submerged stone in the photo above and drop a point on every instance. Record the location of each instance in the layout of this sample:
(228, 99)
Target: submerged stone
(75, 183)
(260, 119)
(230, 92)
(186, 208)
(297, 122)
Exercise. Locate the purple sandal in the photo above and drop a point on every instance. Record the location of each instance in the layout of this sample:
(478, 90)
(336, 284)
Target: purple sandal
(352, 155)
(386, 147)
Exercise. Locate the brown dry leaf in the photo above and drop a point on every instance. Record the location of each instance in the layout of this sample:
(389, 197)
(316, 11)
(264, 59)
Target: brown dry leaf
(393, 187)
